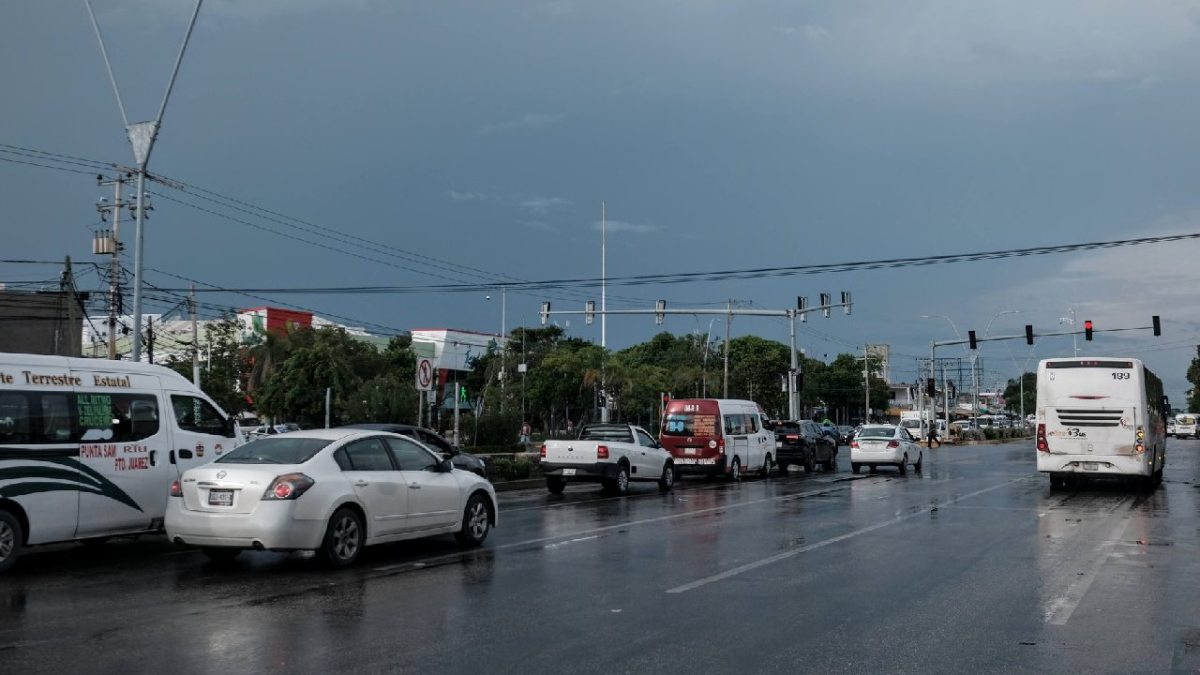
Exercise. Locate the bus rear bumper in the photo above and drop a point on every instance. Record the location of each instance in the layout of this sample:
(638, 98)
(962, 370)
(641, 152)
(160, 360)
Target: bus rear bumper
(1109, 465)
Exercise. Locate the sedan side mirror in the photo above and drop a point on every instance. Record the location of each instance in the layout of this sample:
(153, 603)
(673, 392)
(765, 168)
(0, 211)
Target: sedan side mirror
(446, 466)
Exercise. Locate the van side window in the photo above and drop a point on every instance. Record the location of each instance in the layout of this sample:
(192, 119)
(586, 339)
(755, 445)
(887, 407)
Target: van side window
(734, 425)
(751, 424)
(14, 418)
(116, 418)
(197, 415)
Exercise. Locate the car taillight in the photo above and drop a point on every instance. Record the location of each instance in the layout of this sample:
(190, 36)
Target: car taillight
(720, 446)
(543, 452)
(1042, 445)
(793, 437)
(288, 486)
(601, 452)
(176, 489)
(893, 444)
(854, 444)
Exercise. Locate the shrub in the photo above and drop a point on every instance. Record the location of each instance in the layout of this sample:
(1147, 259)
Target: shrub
(506, 468)
(497, 429)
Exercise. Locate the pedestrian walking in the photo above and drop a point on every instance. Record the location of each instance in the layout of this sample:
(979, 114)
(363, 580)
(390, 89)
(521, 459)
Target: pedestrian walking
(932, 440)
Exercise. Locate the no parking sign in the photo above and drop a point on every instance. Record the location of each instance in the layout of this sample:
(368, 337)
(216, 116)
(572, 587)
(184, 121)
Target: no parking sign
(424, 375)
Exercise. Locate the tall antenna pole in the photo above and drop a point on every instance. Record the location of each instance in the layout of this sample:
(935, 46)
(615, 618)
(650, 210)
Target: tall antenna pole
(142, 136)
(604, 304)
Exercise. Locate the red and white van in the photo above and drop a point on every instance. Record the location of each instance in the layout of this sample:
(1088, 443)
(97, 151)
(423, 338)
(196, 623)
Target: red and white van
(717, 437)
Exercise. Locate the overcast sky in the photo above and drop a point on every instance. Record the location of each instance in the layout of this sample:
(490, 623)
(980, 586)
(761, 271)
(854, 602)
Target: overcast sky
(722, 134)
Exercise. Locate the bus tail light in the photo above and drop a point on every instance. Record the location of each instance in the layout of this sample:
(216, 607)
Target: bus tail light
(601, 452)
(1140, 446)
(1042, 445)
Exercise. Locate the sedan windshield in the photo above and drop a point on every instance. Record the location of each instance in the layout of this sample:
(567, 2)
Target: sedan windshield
(879, 432)
(276, 450)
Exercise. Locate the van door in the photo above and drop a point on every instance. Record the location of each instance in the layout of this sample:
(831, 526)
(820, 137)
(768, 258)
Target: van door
(39, 465)
(122, 452)
(200, 432)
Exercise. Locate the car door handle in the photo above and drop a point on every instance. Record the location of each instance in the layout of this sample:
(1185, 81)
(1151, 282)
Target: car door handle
(361, 483)
(414, 486)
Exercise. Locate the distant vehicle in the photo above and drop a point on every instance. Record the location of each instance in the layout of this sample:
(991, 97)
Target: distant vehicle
(831, 430)
(885, 445)
(718, 437)
(461, 460)
(273, 429)
(916, 421)
(805, 444)
(1185, 426)
(89, 446)
(846, 432)
(1171, 428)
(1100, 417)
(609, 454)
(329, 490)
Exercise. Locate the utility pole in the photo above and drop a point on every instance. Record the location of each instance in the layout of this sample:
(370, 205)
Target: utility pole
(150, 338)
(728, 324)
(108, 242)
(195, 339)
(604, 309)
(141, 137)
(793, 369)
(68, 289)
(866, 385)
(457, 440)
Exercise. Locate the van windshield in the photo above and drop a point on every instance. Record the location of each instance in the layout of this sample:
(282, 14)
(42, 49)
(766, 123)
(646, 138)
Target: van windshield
(277, 450)
(690, 424)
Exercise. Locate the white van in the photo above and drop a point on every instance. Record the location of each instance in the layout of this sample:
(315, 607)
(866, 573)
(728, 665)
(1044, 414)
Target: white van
(89, 447)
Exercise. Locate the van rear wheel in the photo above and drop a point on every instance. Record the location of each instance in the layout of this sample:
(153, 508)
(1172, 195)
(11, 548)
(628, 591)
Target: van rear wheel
(11, 538)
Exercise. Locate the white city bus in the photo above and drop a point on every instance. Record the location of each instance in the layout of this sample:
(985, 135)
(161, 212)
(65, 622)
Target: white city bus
(89, 447)
(1100, 417)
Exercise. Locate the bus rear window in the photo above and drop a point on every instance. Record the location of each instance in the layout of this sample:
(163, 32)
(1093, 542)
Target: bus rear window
(690, 424)
(1089, 364)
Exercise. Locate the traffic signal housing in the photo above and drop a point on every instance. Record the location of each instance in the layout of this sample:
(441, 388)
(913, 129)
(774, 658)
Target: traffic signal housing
(1028, 334)
(930, 387)
(972, 340)
(1087, 329)
(1157, 326)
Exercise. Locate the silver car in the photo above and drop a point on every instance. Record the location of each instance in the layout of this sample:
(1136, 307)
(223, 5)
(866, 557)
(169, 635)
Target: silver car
(332, 491)
(885, 445)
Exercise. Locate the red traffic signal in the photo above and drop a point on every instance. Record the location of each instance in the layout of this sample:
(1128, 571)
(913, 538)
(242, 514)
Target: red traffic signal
(1087, 329)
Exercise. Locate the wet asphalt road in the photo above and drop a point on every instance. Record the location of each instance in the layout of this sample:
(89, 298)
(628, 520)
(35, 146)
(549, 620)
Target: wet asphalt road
(972, 566)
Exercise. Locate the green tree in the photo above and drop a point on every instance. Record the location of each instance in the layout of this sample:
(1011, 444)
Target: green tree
(1193, 376)
(840, 386)
(224, 365)
(1012, 393)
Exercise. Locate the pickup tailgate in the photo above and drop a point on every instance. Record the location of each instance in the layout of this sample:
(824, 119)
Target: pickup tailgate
(571, 452)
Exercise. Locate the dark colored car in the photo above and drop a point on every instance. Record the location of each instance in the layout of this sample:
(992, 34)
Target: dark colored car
(461, 460)
(806, 444)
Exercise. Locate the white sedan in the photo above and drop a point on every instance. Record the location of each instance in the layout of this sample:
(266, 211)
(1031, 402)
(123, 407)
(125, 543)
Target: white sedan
(333, 491)
(885, 445)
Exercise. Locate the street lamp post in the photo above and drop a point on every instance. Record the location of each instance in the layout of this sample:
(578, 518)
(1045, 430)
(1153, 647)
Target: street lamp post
(933, 369)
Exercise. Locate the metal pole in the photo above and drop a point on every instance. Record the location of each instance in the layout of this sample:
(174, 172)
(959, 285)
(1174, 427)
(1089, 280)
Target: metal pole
(793, 394)
(114, 282)
(866, 387)
(503, 345)
(603, 307)
(728, 321)
(946, 397)
(457, 442)
(328, 404)
(68, 284)
(136, 353)
(932, 373)
(195, 340)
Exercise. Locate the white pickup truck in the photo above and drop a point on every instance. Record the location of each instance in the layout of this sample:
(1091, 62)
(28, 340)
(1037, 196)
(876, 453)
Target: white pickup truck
(609, 454)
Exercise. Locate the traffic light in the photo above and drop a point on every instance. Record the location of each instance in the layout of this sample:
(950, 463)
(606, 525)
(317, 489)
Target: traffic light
(1087, 329)
(589, 312)
(971, 339)
(462, 393)
(545, 312)
(802, 308)
(1028, 334)
(659, 306)
(826, 300)
(930, 387)
(1157, 326)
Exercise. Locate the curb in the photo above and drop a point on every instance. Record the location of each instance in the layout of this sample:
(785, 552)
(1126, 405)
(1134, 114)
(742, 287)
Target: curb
(523, 484)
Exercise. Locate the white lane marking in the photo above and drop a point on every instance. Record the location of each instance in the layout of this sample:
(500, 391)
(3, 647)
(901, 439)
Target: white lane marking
(832, 485)
(570, 541)
(826, 542)
(1060, 609)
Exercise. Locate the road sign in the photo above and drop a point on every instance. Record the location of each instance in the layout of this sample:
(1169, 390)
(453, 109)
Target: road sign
(424, 375)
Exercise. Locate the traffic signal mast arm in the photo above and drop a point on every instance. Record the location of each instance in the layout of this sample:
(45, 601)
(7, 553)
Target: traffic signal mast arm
(946, 343)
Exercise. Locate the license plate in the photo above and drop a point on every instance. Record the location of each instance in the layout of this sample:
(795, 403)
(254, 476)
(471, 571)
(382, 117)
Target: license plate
(689, 451)
(220, 497)
(568, 472)
(1091, 466)
(779, 444)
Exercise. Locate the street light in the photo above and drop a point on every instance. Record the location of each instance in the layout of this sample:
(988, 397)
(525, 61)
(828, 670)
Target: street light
(933, 371)
(503, 341)
(974, 358)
